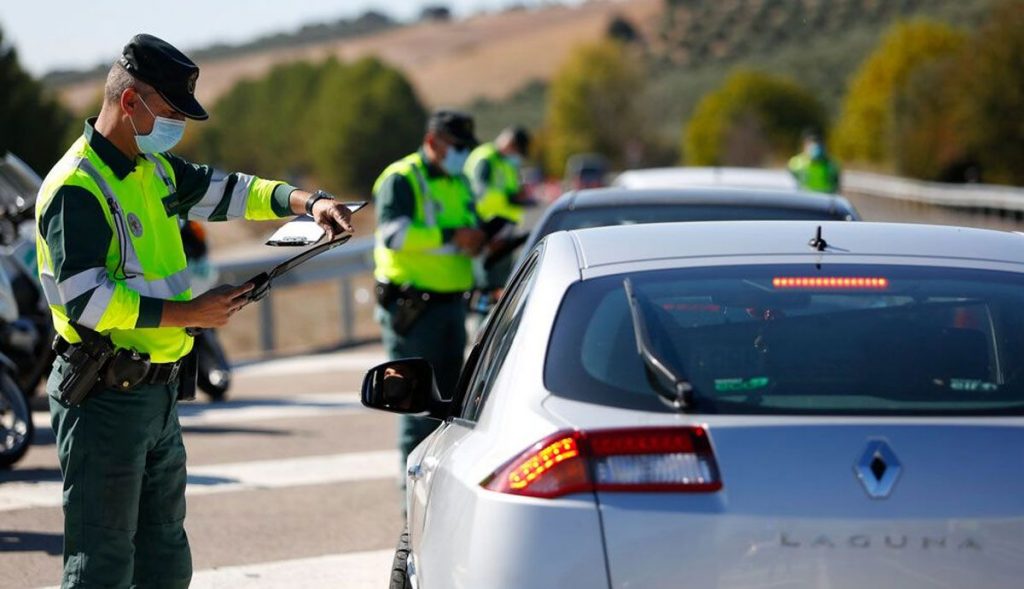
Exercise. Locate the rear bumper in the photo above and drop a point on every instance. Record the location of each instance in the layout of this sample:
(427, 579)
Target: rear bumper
(663, 549)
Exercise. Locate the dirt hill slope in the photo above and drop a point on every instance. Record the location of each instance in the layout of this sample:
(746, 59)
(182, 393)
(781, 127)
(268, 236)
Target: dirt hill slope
(449, 63)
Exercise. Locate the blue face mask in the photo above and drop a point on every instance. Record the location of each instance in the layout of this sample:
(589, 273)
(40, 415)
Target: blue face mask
(454, 160)
(515, 159)
(816, 151)
(166, 133)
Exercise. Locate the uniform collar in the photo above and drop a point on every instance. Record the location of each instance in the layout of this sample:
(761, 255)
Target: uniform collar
(432, 170)
(110, 154)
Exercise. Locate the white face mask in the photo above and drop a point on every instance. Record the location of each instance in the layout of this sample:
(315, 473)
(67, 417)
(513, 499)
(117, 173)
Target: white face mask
(454, 160)
(166, 133)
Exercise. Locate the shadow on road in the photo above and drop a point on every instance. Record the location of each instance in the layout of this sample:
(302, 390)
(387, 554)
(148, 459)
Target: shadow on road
(217, 430)
(31, 475)
(51, 544)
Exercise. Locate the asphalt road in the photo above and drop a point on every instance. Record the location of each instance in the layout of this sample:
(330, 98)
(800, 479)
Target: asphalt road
(291, 483)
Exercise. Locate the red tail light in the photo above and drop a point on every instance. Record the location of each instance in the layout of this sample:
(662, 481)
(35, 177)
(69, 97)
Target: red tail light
(641, 460)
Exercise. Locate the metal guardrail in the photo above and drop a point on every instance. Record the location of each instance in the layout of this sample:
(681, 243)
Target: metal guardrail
(343, 264)
(1005, 200)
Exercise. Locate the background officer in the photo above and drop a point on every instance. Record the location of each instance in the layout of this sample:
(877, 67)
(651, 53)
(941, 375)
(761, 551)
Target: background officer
(494, 171)
(426, 237)
(813, 168)
(114, 272)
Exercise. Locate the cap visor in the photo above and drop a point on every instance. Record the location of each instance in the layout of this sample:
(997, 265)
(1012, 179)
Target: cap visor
(186, 105)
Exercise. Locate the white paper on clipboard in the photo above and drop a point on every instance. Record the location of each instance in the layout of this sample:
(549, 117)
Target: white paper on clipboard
(303, 231)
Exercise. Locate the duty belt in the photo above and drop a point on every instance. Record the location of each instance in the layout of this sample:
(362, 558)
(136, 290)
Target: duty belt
(388, 292)
(155, 374)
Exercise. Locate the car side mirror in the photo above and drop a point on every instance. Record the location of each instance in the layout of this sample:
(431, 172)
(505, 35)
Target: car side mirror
(405, 386)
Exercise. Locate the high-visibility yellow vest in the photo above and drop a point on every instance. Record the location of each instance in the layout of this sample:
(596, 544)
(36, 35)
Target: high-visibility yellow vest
(422, 260)
(150, 263)
(493, 199)
(820, 174)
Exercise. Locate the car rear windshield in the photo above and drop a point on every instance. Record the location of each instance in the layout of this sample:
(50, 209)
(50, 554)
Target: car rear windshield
(796, 339)
(632, 215)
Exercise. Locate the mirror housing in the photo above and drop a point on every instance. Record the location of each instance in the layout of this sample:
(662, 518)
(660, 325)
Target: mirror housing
(405, 386)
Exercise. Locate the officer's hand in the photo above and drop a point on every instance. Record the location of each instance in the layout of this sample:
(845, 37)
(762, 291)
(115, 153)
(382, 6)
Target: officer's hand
(469, 240)
(333, 216)
(213, 308)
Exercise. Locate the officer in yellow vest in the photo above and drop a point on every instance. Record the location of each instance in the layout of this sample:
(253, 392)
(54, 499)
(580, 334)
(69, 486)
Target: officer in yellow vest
(426, 238)
(113, 270)
(813, 169)
(493, 170)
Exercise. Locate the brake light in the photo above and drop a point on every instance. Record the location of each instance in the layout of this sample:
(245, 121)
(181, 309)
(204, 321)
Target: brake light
(837, 282)
(640, 460)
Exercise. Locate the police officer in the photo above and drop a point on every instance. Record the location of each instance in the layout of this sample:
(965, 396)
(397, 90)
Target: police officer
(813, 169)
(113, 269)
(426, 238)
(493, 170)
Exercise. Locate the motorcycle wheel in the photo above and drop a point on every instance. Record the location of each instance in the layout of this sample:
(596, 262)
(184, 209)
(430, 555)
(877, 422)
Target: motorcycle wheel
(214, 376)
(16, 427)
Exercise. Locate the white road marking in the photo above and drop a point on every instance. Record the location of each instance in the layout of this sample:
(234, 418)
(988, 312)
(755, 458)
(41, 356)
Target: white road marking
(241, 476)
(253, 409)
(353, 570)
(322, 363)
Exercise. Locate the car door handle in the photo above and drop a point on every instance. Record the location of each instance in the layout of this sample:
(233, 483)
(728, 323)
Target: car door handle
(415, 472)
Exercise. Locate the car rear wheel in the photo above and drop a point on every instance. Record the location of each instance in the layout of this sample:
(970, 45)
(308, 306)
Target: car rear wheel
(399, 568)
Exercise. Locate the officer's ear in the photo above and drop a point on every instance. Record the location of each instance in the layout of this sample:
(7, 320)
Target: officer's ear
(129, 100)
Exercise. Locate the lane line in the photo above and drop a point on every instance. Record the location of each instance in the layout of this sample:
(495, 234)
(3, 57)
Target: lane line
(235, 477)
(253, 409)
(352, 570)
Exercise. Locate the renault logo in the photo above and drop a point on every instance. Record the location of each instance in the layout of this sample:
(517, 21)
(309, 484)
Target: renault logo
(878, 469)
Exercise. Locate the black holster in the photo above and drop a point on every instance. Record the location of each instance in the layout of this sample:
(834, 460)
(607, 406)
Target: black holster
(187, 375)
(87, 364)
(409, 305)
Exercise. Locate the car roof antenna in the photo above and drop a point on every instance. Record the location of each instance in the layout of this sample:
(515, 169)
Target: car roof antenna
(818, 242)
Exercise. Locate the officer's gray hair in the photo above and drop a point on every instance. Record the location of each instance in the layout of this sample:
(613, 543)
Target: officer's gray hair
(119, 80)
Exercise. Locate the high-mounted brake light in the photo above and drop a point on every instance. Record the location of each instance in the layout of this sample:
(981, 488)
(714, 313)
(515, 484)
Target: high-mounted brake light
(831, 282)
(640, 460)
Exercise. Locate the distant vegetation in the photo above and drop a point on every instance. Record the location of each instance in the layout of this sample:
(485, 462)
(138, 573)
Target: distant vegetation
(865, 126)
(33, 125)
(591, 106)
(338, 123)
(754, 119)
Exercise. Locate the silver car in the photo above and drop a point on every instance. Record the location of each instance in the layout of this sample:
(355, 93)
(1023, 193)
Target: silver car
(741, 404)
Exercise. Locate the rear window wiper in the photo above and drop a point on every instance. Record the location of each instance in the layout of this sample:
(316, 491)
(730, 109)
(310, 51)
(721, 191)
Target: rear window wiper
(667, 380)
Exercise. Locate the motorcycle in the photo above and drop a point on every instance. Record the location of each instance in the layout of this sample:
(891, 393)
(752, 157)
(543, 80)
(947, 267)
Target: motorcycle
(16, 428)
(214, 377)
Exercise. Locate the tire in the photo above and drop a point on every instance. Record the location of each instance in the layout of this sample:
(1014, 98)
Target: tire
(16, 427)
(214, 376)
(399, 568)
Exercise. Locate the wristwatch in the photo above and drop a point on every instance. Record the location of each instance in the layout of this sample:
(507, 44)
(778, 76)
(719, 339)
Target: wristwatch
(318, 195)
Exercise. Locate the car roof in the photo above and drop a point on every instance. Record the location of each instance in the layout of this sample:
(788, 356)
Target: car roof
(602, 246)
(680, 177)
(711, 195)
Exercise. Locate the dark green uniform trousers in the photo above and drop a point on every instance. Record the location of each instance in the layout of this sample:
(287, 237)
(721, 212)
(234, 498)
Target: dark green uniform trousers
(439, 336)
(123, 463)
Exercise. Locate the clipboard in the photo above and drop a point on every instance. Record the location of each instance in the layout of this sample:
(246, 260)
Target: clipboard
(303, 230)
(263, 281)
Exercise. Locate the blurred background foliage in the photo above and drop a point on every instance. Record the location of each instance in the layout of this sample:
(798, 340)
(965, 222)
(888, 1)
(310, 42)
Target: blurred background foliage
(866, 121)
(926, 88)
(33, 125)
(753, 119)
(335, 124)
